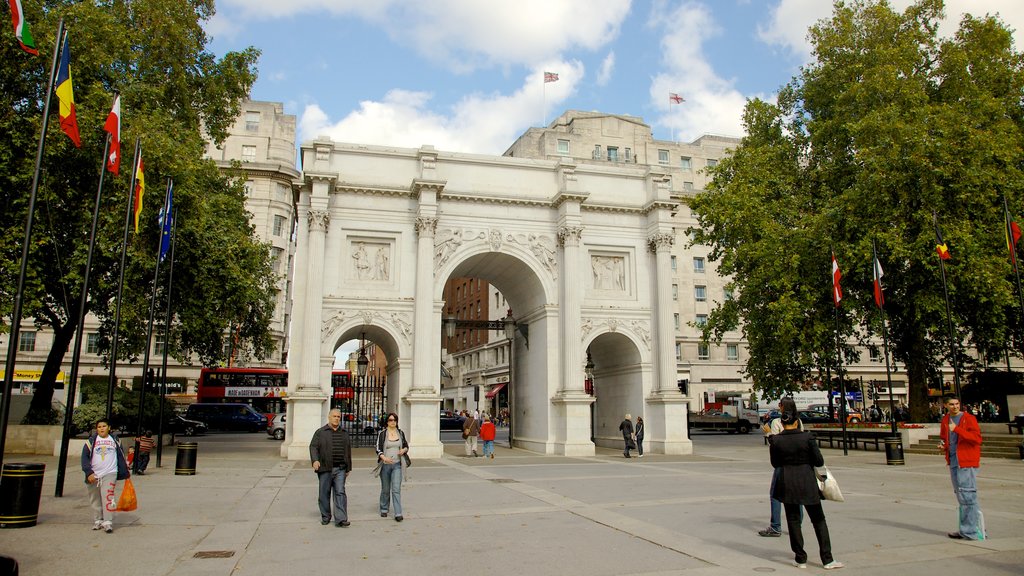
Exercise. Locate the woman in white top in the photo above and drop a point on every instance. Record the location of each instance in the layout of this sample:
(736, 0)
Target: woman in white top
(392, 460)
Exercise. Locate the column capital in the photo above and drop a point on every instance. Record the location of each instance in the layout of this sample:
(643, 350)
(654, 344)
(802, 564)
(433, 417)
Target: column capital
(426, 226)
(318, 220)
(661, 241)
(569, 235)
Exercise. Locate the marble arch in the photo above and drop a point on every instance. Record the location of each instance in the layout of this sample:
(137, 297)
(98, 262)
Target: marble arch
(580, 251)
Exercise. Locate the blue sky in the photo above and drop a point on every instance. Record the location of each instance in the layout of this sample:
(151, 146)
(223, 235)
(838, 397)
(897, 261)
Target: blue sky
(466, 75)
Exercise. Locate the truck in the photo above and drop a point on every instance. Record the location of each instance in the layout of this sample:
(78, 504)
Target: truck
(720, 421)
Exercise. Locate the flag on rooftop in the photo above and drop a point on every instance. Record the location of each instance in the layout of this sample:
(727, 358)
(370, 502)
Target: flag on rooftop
(21, 30)
(140, 189)
(66, 95)
(550, 77)
(675, 98)
(837, 290)
(113, 127)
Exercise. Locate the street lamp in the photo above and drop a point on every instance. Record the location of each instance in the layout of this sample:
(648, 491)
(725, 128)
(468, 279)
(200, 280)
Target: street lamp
(449, 325)
(510, 335)
(588, 374)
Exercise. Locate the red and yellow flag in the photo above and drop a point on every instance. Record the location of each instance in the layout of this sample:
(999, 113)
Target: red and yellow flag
(140, 189)
(66, 95)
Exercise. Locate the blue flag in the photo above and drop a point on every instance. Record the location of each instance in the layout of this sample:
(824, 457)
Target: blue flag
(166, 221)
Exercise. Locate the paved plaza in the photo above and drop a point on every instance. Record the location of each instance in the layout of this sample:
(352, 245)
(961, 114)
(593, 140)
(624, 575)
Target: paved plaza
(522, 514)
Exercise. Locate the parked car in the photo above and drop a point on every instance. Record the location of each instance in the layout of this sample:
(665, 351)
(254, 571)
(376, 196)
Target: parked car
(276, 426)
(815, 417)
(452, 421)
(227, 416)
(186, 427)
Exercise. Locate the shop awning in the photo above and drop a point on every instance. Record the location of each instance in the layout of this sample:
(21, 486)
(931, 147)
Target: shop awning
(497, 388)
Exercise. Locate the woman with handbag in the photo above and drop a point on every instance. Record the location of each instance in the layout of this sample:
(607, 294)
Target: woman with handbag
(392, 449)
(794, 454)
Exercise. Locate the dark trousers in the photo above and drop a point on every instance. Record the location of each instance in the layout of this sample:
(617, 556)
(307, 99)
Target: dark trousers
(333, 482)
(142, 461)
(796, 536)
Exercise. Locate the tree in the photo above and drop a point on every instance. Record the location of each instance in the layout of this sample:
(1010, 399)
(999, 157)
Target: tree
(173, 94)
(889, 124)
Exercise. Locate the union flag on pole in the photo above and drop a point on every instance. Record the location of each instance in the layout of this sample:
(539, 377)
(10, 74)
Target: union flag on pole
(674, 98)
(837, 290)
(21, 31)
(113, 127)
(140, 189)
(66, 95)
(550, 77)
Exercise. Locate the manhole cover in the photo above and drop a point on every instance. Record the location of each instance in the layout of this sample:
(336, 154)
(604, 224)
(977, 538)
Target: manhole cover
(503, 480)
(215, 554)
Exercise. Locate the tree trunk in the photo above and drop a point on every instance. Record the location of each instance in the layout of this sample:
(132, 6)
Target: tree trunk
(40, 410)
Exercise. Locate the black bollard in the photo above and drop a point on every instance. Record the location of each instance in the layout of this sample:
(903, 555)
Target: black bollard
(185, 465)
(894, 450)
(21, 486)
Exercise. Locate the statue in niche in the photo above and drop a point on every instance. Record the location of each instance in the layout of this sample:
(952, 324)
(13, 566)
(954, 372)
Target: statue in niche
(381, 269)
(362, 262)
(608, 272)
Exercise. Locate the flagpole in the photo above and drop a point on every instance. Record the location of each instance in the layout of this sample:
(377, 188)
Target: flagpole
(885, 342)
(167, 339)
(953, 348)
(1012, 245)
(544, 101)
(12, 342)
(120, 281)
(76, 354)
(149, 332)
(839, 357)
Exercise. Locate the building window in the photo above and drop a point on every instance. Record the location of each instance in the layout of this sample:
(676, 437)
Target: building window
(248, 153)
(703, 351)
(248, 188)
(684, 163)
(698, 264)
(663, 157)
(675, 291)
(27, 342)
(629, 155)
(252, 121)
(597, 151)
(702, 320)
(700, 293)
(158, 345)
(275, 259)
(92, 343)
(278, 225)
(673, 262)
(675, 318)
(727, 294)
(688, 186)
(613, 154)
(712, 162)
(732, 352)
(563, 147)
(874, 354)
(679, 351)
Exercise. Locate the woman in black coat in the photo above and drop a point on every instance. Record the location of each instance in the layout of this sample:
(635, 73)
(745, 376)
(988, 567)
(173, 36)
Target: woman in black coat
(794, 454)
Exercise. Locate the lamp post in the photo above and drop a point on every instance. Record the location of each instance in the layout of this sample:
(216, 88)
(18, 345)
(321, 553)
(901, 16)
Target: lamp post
(361, 365)
(510, 335)
(588, 385)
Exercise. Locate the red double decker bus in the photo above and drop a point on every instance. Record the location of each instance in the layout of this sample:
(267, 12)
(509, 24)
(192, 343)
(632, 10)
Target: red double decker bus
(265, 389)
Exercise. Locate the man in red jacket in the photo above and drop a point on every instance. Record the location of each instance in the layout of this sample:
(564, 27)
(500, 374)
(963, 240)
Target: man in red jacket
(961, 443)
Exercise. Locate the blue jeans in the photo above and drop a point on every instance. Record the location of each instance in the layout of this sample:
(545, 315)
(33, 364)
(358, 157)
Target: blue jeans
(965, 486)
(333, 482)
(391, 487)
(488, 448)
(775, 523)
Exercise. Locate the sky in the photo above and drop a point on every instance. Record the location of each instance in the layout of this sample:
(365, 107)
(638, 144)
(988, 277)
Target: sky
(467, 75)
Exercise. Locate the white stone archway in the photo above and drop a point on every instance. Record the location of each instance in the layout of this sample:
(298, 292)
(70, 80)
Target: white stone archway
(571, 247)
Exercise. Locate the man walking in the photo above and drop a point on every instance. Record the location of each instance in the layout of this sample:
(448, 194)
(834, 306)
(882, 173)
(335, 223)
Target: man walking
(961, 443)
(330, 452)
(626, 427)
(471, 432)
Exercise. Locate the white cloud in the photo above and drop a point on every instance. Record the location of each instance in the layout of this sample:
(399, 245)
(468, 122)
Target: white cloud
(713, 105)
(466, 34)
(607, 67)
(479, 123)
(790, 19)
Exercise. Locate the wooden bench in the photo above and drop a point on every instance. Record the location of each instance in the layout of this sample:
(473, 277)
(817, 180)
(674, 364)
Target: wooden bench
(854, 437)
(1011, 425)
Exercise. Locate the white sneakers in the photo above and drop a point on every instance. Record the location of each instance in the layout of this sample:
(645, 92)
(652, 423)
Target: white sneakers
(97, 525)
(834, 565)
(800, 564)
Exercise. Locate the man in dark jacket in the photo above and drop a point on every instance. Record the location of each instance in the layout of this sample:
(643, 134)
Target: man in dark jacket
(626, 427)
(103, 463)
(330, 453)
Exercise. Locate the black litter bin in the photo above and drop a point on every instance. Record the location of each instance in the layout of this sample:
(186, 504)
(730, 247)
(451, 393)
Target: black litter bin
(21, 486)
(185, 465)
(8, 566)
(894, 450)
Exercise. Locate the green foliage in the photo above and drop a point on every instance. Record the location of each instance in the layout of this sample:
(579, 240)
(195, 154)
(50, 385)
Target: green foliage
(173, 92)
(889, 125)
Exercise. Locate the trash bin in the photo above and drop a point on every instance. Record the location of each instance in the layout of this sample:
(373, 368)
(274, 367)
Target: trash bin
(894, 450)
(21, 486)
(8, 566)
(185, 465)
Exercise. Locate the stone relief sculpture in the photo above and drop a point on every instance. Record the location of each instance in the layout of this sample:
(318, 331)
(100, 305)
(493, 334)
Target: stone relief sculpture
(641, 328)
(543, 248)
(445, 244)
(400, 320)
(376, 269)
(494, 239)
(609, 272)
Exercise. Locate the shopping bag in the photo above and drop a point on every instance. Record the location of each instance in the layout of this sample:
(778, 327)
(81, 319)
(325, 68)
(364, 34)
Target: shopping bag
(128, 501)
(827, 484)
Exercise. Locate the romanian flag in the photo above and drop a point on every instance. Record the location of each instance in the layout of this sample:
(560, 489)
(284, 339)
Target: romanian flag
(550, 77)
(68, 121)
(674, 98)
(21, 31)
(140, 189)
(879, 297)
(837, 290)
(113, 127)
(940, 245)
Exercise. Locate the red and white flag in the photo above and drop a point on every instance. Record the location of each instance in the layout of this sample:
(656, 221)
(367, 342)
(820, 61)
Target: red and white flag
(21, 29)
(550, 77)
(879, 297)
(837, 290)
(674, 98)
(113, 127)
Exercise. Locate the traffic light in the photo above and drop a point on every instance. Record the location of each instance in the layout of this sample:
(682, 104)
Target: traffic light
(684, 386)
